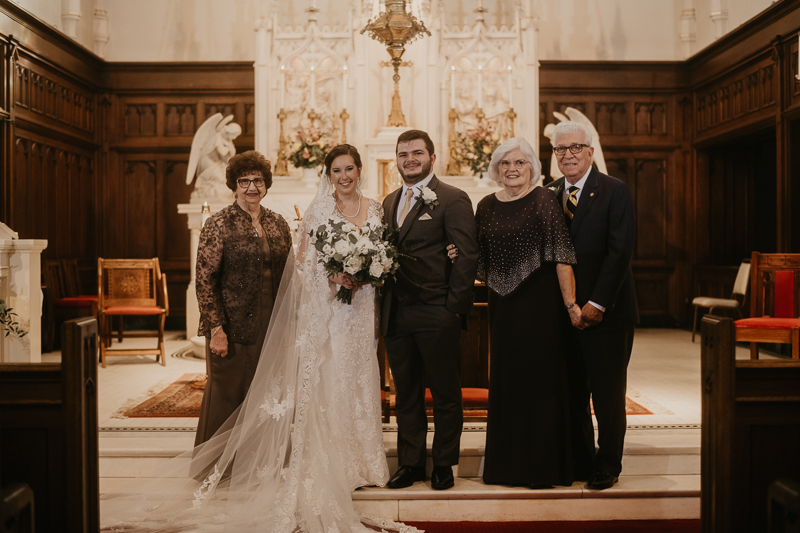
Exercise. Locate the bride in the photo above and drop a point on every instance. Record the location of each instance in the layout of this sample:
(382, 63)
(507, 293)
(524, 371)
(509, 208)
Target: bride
(309, 430)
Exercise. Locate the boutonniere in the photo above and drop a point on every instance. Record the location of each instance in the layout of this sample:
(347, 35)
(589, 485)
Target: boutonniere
(553, 189)
(429, 198)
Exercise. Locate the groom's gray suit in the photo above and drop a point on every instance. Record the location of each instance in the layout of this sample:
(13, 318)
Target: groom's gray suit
(420, 319)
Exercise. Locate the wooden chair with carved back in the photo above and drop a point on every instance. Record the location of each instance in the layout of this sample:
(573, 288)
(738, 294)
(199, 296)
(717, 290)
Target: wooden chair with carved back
(131, 287)
(774, 303)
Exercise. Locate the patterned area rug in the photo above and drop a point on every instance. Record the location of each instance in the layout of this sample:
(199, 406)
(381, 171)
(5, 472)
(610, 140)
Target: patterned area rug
(180, 400)
(176, 401)
(608, 526)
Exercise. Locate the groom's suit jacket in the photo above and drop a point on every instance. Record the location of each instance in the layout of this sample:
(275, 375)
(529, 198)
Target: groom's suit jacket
(430, 277)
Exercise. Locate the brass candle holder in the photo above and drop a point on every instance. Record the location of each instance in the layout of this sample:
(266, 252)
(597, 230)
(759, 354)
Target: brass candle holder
(511, 116)
(281, 168)
(344, 116)
(453, 168)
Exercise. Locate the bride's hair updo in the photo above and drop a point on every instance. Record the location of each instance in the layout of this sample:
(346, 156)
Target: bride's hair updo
(342, 149)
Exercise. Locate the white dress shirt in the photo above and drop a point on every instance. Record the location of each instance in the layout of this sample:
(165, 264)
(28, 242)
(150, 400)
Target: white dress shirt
(417, 188)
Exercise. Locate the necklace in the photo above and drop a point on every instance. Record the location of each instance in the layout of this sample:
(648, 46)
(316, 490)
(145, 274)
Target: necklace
(343, 213)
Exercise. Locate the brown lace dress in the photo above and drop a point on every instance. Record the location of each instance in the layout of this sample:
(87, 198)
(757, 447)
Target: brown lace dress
(238, 274)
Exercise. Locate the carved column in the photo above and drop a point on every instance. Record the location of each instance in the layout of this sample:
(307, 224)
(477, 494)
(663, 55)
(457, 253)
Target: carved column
(100, 27)
(688, 33)
(70, 17)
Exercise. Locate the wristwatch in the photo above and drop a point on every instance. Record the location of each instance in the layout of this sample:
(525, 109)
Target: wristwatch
(570, 306)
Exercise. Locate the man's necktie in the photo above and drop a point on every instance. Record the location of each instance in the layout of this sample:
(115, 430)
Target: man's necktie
(407, 206)
(572, 203)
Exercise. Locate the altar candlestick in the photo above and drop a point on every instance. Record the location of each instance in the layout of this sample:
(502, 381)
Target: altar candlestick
(313, 88)
(283, 85)
(344, 87)
(452, 87)
(510, 90)
(480, 87)
(205, 213)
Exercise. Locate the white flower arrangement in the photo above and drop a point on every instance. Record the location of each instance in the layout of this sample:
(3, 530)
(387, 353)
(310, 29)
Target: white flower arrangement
(429, 197)
(364, 253)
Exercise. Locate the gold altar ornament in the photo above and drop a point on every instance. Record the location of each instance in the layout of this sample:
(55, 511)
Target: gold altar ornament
(396, 28)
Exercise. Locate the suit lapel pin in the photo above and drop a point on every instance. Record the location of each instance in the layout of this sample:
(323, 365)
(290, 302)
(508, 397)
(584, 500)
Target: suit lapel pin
(591, 194)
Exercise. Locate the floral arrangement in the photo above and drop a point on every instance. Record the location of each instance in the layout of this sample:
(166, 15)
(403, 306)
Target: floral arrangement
(364, 253)
(310, 149)
(475, 147)
(9, 322)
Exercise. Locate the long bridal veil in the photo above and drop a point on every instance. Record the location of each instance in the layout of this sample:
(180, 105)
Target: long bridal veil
(275, 465)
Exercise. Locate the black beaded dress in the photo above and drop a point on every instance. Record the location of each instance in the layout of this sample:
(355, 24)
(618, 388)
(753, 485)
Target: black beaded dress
(527, 436)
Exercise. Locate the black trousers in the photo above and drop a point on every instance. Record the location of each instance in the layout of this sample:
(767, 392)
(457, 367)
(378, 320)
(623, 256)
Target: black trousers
(424, 347)
(597, 363)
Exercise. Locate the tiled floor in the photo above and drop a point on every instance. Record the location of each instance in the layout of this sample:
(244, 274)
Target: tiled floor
(664, 377)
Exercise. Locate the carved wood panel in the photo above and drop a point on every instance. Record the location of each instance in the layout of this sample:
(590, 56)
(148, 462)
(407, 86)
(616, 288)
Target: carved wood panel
(745, 93)
(47, 95)
(180, 120)
(53, 197)
(611, 118)
(140, 120)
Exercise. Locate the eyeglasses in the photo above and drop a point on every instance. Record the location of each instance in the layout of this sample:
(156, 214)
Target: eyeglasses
(519, 163)
(244, 183)
(573, 149)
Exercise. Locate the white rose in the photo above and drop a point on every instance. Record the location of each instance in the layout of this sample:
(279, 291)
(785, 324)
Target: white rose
(364, 245)
(348, 227)
(387, 263)
(352, 265)
(328, 250)
(342, 247)
(376, 269)
(428, 195)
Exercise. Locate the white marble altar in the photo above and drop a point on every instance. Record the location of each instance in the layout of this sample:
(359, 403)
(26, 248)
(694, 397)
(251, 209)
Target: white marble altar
(20, 287)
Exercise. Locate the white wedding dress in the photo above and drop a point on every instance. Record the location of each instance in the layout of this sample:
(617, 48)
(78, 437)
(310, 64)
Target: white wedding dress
(306, 436)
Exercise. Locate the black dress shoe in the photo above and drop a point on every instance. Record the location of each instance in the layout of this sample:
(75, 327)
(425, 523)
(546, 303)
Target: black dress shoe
(601, 480)
(442, 477)
(406, 476)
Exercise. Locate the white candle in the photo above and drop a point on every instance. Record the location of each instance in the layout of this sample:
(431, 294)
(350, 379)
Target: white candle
(344, 87)
(205, 213)
(283, 85)
(313, 88)
(453, 87)
(480, 87)
(510, 90)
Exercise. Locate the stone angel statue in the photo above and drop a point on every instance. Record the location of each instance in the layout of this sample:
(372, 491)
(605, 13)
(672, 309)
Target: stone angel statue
(212, 147)
(576, 116)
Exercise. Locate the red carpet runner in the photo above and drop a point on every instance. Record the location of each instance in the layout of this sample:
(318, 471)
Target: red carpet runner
(609, 526)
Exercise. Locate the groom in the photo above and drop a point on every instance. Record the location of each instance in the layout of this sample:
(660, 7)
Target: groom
(422, 310)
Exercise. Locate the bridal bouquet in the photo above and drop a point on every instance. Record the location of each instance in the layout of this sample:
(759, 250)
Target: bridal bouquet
(475, 147)
(310, 149)
(365, 253)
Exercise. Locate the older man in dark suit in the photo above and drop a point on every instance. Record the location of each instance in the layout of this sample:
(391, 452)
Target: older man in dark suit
(421, 307)
(600, 214)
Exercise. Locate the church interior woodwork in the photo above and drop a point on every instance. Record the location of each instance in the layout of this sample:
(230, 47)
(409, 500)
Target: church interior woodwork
(94, 154)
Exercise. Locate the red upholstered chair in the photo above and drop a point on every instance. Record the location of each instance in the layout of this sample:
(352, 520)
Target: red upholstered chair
(131, 287)
(62, 303)
(774, 303)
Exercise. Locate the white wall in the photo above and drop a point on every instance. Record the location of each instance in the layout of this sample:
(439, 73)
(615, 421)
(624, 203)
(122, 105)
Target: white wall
(223, 30)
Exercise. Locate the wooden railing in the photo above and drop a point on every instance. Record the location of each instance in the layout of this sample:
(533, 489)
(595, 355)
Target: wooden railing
(751, 431)
(49, 432)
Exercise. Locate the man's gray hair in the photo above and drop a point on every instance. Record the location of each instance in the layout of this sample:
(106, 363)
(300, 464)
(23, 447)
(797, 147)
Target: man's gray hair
(567, 127)
(512, 144)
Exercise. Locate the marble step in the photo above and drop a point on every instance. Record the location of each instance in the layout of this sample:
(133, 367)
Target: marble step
(633, 498)
(647, 452)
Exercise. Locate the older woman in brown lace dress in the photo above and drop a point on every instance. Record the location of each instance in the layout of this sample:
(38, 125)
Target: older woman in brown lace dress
(240, 261)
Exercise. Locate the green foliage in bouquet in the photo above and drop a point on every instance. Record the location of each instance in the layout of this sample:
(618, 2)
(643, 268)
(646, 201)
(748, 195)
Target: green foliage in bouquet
(366, 254)
(475, 147)
(9, 322)
(310, 149)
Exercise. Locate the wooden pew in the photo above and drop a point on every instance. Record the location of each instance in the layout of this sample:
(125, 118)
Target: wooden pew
(751, 431)
(49, 433)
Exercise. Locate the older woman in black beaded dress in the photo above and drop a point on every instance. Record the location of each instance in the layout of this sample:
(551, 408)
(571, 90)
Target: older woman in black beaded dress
(525, 258)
